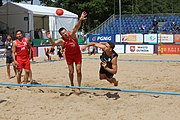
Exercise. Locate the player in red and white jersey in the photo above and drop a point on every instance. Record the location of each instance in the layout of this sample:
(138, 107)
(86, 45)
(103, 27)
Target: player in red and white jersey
(72, 49)
(21, 54)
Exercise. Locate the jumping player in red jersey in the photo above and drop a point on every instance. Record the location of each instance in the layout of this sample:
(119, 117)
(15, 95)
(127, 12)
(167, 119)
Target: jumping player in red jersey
(21, 53)
(72, 50)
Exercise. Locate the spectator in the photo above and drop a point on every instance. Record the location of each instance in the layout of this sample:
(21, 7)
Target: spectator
(40, 33)
(36, 35)
(164, 30)
(4, 38)
(173, 24)
(50, 52)
(8, 54)
(32, 45)
(177, 29)
(47, 53)
(60, 52)
(155, 22)
(142, 28)
(42, 42)
(1, 42)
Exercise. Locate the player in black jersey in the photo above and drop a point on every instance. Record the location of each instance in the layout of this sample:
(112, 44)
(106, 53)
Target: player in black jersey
(108, 61)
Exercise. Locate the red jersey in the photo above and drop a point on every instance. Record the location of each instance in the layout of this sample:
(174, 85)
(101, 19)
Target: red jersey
(22, 51)
(71, 45)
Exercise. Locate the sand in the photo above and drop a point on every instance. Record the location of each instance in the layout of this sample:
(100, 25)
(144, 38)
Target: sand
(49, 103)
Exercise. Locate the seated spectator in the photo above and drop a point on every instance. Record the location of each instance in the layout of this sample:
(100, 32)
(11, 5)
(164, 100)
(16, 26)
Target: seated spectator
(177, 29)
(173, 24)
(164, 30)
(155, 22)
(142, 28)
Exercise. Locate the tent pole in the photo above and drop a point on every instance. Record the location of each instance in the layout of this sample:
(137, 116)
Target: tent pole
(7, 27)
(28, 24)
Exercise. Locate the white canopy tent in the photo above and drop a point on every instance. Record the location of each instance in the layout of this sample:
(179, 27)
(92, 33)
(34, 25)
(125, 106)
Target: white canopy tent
(31, 17)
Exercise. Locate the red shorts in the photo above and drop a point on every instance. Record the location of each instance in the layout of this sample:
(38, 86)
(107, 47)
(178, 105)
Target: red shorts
(25, 63)
(77, 58)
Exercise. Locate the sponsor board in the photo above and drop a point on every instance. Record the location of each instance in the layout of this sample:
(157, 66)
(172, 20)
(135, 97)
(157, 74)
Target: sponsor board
(177, 38)
(168, 49)
(151, 38)
(118, 49)
(165, 38)
(101, 38)
(144, 49)
(117, 38)
(132, 38)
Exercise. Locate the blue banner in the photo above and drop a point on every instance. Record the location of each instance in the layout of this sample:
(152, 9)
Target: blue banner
(101, 38)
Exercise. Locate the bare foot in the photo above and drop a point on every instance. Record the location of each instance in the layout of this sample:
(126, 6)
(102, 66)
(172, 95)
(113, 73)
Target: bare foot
(115, 82)
(77, 92)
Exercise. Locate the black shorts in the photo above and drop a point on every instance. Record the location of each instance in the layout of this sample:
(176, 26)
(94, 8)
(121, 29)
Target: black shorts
(103, 71)
(59, 54)
(47, 54)
(9, 59)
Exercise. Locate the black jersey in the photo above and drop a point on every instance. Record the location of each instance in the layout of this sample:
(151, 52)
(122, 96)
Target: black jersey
(108, 59)
(9, 48)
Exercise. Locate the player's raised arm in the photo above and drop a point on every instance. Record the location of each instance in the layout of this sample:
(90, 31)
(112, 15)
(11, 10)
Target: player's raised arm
(77, 26)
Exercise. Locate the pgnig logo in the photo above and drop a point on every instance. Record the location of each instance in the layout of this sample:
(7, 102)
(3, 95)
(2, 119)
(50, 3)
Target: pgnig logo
(94, 38)
(101, 38)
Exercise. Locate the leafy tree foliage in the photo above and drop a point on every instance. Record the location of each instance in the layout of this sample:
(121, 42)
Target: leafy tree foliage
(99, 10)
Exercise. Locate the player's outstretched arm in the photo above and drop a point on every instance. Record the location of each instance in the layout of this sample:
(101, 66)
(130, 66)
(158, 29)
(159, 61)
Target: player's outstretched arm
(77, 26)
(99, 45)
(54, 43)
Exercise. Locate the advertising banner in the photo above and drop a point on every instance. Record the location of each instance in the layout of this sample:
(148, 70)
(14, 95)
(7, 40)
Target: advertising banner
(168, 49)
(132, 38)
(117, 38)
(143, 49)
(118, 49)
(165, 38)
(101, 38)
(151, 38)
(177, 38)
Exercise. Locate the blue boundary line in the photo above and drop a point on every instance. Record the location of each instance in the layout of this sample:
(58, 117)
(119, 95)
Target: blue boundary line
(99, 59)
(90, 88)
